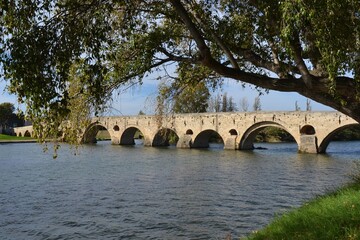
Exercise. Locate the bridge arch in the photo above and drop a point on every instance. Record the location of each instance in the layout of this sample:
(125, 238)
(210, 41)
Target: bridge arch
(165, 137)
(327, 139)
(27, 133)
(91, 131)
(248, 138)
(130, 134)
(202, 140)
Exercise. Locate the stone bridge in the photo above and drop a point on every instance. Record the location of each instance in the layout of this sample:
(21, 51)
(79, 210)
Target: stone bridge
(312, 131)
(26, 131)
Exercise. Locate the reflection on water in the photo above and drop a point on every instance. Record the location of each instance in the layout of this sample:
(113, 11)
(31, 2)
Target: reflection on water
(116, 192)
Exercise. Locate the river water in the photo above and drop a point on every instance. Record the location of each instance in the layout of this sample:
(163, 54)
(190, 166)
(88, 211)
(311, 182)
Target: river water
(117, 192)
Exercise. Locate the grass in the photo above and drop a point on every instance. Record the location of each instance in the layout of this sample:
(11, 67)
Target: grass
(4, 137)
(333, 216)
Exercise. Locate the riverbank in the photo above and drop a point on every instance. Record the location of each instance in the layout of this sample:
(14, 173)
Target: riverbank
(333, 216)
(13, 139)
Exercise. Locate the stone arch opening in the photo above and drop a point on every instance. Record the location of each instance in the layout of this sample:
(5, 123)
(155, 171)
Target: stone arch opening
(264, 132)
(233, 132)
(189, 132)
(345, 133)
(131, 136)
(96, 132)
(165, 137)
(19, 134)
(27, 134)
(116, 128)
(307, 130)
(204, 138)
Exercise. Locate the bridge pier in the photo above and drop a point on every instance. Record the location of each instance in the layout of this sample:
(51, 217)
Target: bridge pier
(308, 144)
(230, 143)
(115, 141)
(147, 142)
(185, 141)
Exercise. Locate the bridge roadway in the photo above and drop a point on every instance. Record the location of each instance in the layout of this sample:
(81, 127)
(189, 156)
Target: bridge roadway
(312, 131)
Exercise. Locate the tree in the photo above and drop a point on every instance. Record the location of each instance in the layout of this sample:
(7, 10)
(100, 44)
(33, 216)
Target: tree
(231, 106)
(8, 118)
(215, 104)
(224, 106)
(193, 99)
(244, 103)
(308, 105)
(297, 107)
(309, 47)
(222, 103)
(257, 104)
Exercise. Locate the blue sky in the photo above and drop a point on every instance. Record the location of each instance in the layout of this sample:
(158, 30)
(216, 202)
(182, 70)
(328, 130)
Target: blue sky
(142, 97)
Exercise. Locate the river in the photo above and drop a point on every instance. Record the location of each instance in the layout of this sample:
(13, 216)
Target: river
(117, 192)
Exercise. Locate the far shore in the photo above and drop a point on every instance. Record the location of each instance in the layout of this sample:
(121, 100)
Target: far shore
(18, 141)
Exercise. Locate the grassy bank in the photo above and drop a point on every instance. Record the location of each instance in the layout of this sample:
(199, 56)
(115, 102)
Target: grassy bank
(333, 216)
(4, 137)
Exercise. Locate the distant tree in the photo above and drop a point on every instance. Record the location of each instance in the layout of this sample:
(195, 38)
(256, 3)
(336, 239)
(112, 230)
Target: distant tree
(308, 105)
(8, 119)
(257, 104)
(141, 113)
(222, 103)
(244, 104)
(231, 105)
(297, 108)
(224, 106)
(214, 104)
(191, 99)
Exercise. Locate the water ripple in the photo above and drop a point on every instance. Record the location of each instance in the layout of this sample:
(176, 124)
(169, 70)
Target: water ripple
(113, 192)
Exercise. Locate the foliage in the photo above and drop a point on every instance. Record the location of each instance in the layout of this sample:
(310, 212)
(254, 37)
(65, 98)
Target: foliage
(273, 134)
(350, 133)
(333, 216)
(310, 47)
(187, 93)
(8, 118)
(192, 99)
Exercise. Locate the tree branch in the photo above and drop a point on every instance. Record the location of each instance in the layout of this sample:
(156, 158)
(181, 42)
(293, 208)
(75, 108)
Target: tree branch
(218, 41)
(288, 85)
(198, 38)
(175, 58)
(296, 48)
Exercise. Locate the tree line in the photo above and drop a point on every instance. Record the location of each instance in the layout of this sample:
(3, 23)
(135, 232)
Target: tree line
(198, 99)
